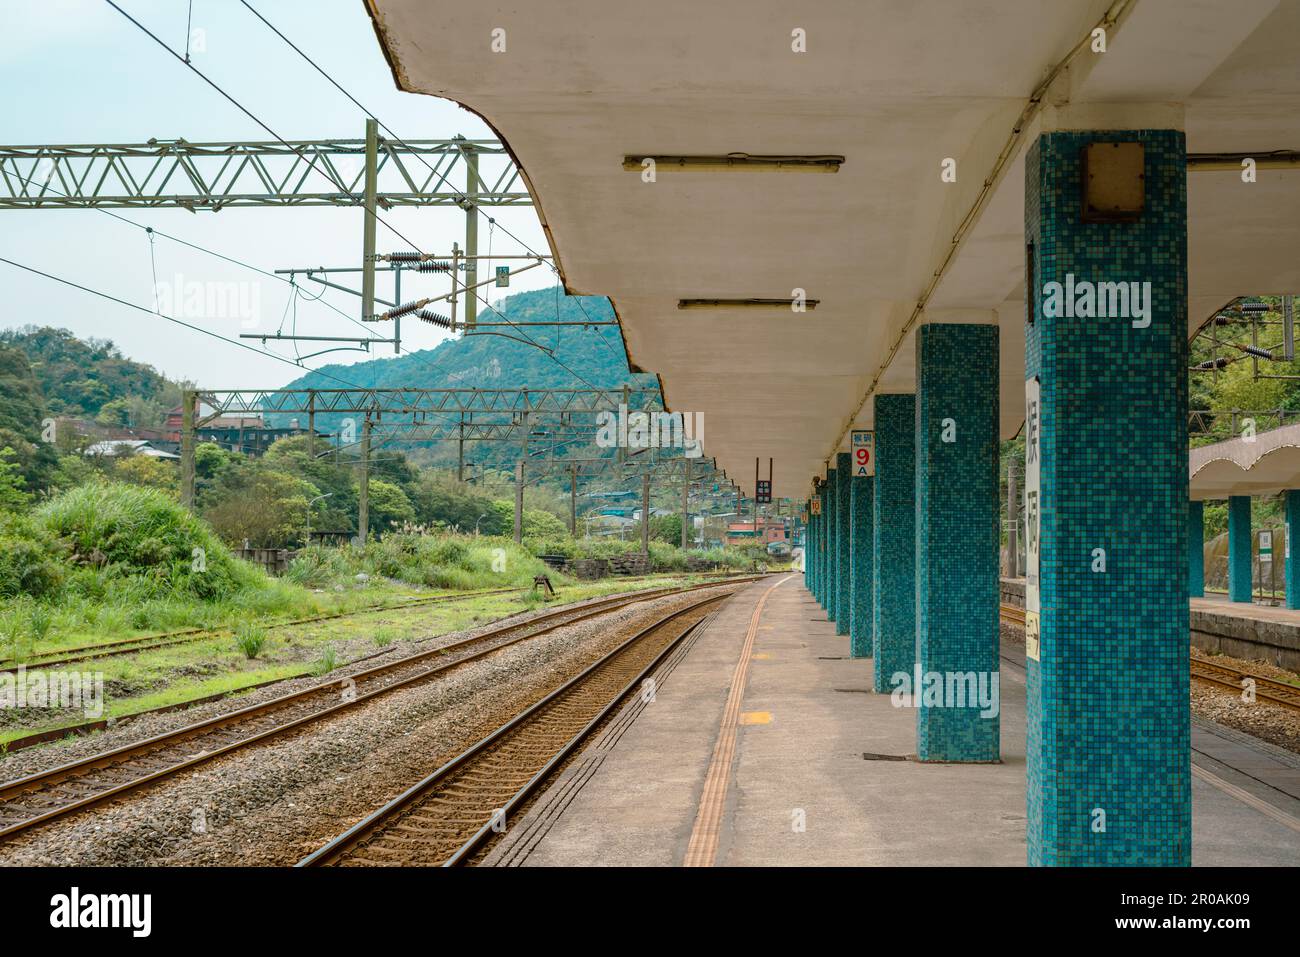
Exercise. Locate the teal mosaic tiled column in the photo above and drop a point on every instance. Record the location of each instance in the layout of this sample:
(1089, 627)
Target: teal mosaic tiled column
(1239, 538)
(1196, 549)
(1107, 744)
(861, 550)
(843, 544)
(1292, 567)
(824, 566)
(893, 529)
(957, 532)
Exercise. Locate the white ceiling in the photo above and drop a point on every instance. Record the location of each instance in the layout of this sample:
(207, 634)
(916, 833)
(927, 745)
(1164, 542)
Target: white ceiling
(895, 88)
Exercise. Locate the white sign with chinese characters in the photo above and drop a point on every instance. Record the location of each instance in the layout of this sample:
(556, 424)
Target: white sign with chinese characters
(864, 453)
(1033, 511)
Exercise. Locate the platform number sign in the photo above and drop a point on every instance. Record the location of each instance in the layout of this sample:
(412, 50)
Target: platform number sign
(816, 506)
(864, 453)
(763, 492)
(503, 276)
(1033, 511)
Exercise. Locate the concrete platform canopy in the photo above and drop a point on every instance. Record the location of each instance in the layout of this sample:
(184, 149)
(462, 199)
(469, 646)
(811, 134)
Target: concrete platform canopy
(932, 107)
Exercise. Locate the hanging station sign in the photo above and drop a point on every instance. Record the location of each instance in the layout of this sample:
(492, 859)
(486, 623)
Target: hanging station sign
(864, 453)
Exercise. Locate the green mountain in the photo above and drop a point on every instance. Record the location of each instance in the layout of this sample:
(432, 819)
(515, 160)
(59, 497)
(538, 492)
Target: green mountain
(496, 358)
(78, 378)
(491, 359)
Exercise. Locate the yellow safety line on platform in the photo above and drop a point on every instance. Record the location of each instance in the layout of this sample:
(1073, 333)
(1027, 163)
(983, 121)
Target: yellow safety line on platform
(1241, 794)
(703, 846)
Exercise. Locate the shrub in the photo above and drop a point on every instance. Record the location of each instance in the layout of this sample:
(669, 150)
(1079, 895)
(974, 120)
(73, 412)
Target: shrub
(141, 533)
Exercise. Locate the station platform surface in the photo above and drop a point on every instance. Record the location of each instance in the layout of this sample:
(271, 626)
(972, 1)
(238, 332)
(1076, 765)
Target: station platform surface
(751, 752)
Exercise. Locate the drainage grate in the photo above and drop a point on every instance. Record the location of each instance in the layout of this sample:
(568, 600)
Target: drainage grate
(855, 690)
(869, 756)
(833, 658)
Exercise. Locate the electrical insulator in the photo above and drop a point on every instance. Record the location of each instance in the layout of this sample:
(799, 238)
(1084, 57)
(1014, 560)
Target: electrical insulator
(404, 257)
(1224, 320)
(1210, 364)
(1257, 352)
(434, 318)
(433, 265)
(1254, 308)
(402, 310)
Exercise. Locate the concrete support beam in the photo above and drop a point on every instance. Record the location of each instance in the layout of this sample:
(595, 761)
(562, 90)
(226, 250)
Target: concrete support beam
(893, 529)
(1240, 587)
(957, 524)
(1108, 738)
(862, 551)
(1196, 549)
(843, 543)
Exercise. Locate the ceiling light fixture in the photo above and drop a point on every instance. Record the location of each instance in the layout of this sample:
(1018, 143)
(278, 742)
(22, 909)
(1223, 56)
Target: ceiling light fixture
(737, 162)
(745, 303)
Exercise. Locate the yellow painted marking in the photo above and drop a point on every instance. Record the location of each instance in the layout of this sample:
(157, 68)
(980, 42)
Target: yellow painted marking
(762, 656)
(755, 717)
(702, 849)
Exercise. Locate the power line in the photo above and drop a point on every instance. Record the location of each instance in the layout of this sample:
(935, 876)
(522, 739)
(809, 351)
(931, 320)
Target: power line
(469, 205)
(173, 319)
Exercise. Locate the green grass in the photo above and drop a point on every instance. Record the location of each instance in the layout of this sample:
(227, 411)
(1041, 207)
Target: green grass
(215, 664)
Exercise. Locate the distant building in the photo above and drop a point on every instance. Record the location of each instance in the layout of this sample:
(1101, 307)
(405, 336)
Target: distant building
(115, 447)
(247, 434)
(742, 533)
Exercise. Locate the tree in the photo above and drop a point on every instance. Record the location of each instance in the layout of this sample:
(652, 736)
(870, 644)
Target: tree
(147, 471)
(270, 511)
(389, 506)
(13, 494)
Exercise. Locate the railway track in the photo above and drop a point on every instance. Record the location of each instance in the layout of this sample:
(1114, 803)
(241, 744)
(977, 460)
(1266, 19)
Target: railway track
(39, 798)
(130, 646)
(1224, 676)
(445, 818)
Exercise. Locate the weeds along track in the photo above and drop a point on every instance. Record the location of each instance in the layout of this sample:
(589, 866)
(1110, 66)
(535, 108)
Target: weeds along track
(47, 795)
(130, 646)
(449, 815)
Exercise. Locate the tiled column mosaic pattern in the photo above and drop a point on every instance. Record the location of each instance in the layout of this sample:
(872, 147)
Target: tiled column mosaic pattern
(893, 529)
(1109, 774)
(824, 557)
(861, 550)
(843, 543)
(957, 532)
(1292, 556)
(810, 551)
(1239, 540)
(1196, 549)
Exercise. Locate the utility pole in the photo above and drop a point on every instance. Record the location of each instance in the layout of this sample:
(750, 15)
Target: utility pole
(686, 502)
(188, 402)
(311, 425)
(573, 500)
(519, 501)
(1013, 523)
(368, 226)
(363, 482)
(645, 513)
(471, 237)
(460, 452)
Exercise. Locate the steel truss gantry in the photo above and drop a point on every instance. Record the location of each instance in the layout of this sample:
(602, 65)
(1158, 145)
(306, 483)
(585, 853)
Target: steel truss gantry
(559, 417)
(163, 174)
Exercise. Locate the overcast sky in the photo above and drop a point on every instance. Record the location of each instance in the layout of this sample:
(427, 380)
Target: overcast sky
(76, 71)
